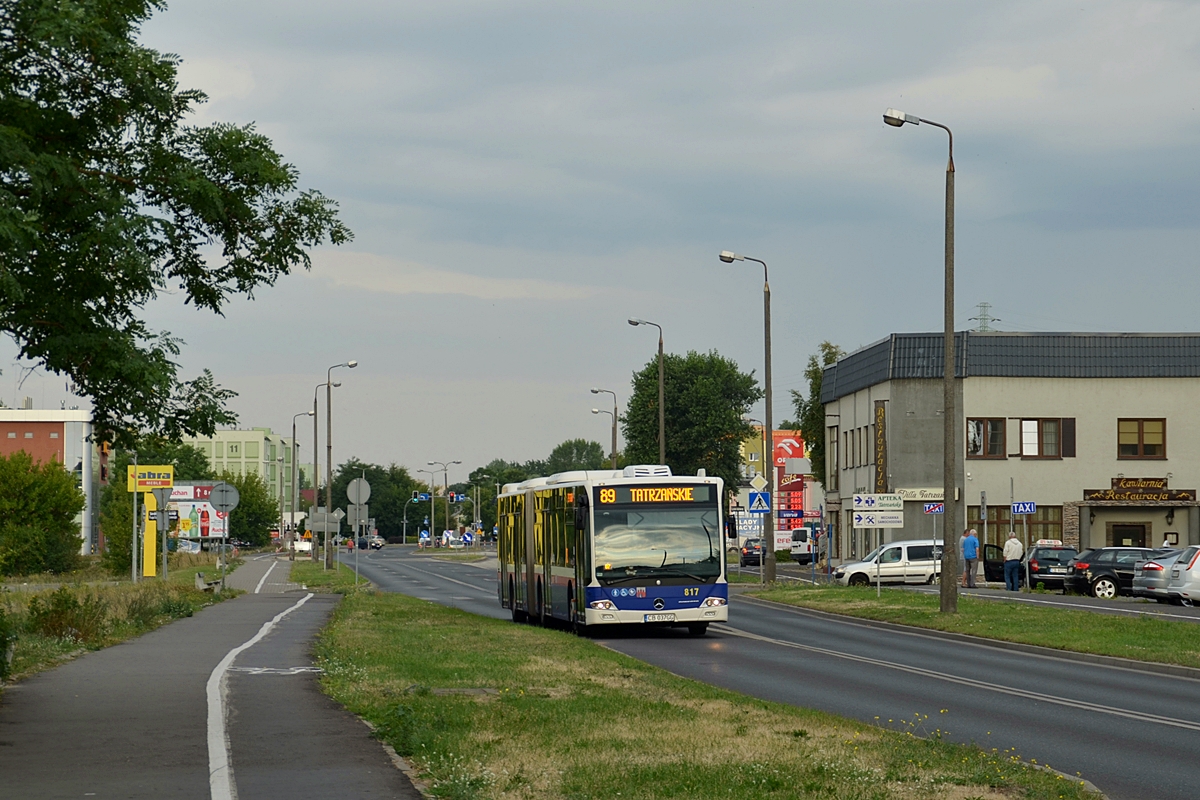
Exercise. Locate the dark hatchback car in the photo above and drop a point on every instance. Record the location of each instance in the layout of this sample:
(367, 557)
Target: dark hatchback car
(751, 553)
(1107, 571)
(1048, 565)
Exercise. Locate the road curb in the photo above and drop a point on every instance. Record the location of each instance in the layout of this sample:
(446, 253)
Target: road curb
(401, 763)
(1114, 662)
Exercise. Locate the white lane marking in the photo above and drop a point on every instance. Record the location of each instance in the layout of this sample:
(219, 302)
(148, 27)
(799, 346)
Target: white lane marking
(452, 580)
(991, 687)
(275, 670)
(220, 767)
(263, 579)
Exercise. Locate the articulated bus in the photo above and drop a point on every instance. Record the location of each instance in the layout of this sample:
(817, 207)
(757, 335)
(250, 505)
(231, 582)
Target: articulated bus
(594, 548)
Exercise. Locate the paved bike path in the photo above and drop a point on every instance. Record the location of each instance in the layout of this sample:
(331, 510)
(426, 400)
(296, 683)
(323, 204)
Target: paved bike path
(132, 721)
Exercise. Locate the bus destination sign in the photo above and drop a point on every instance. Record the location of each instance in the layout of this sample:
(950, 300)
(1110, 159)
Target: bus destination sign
(654, 494)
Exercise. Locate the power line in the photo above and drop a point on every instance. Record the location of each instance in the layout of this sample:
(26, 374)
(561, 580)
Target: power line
(984, 318)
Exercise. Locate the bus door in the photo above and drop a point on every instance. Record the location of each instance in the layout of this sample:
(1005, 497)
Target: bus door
(529, 566)
(582, 549)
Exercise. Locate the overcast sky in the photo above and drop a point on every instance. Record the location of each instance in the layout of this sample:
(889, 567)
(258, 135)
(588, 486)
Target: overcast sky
(522, 177)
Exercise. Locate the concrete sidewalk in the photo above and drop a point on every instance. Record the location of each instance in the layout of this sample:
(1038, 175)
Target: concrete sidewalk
(264, 574)
(132, 721)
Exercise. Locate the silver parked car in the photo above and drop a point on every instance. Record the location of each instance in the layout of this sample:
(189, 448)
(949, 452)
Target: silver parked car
(1150, 578)
(1183, 587)
(916, 561)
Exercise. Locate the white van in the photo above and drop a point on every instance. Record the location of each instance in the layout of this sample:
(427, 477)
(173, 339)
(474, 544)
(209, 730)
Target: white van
(915, 561)
(802, 545)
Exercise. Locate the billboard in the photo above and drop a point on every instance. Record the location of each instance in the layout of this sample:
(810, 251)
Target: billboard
(195, 517)
(788, 445)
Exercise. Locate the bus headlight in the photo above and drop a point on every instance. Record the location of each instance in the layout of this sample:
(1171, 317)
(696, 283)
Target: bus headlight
(602, 605)
(713, 602)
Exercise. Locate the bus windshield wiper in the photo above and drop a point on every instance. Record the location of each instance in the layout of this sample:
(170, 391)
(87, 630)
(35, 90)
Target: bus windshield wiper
(675, 571)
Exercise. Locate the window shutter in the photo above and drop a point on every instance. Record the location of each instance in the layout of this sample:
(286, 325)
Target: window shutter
(1068, 437)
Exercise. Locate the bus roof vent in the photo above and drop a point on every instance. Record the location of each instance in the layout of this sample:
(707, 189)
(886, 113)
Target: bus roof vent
(647, 471)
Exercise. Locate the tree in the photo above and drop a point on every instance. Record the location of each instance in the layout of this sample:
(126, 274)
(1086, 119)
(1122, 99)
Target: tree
(257, 511)
(108, 198)
(706, 397)
(497, 472)
(38, 506)
(391, 496)
(116, 505)
(810, 412)
(574, 454)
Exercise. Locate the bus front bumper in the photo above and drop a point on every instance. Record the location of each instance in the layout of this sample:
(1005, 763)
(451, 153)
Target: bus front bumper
(679, 616)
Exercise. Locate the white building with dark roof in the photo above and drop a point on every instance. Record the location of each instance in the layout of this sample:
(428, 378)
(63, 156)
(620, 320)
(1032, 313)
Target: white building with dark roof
(1100, 430)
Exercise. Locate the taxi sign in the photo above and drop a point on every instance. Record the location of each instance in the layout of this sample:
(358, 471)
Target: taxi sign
(1048, 543)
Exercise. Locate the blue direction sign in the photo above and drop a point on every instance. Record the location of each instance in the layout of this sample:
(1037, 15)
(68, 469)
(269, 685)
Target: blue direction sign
(935, 508)
(424, 535)
(468, 538)
(423, 497)
(760, 503)
(1024, 508)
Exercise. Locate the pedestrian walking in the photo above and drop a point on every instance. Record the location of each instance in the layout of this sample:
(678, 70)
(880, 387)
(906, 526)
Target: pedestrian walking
(970, 554)
(1013, 550)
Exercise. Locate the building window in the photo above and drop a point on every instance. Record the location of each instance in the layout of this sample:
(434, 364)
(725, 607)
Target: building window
(985, 438)
(251, 450)
(832, 464)
(1048, 438)
(235, 450)
(754, 456)
(28, 434)
(53, 434)
(12, 434)
(1045, 524)
(220, 446)
(1141, 438)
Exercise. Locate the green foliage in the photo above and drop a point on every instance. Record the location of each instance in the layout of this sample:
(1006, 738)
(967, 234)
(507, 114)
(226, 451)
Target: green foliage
(257, 512)
(38, 505)
(107, 198)
(8, 640)
(575, 454)
(116, 503)
(64, 615)
(706, 397)
(391, 496)
(810, 412)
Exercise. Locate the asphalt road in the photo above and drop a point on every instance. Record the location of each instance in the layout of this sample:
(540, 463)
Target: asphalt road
(1133, 734)
(144, 719)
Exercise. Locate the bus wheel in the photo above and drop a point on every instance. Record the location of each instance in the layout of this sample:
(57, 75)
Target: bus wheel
(698, 628)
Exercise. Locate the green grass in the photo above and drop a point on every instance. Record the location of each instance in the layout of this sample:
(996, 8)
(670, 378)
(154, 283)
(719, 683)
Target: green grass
(337, 580)
(465, 557)
(90, 571)
(488, 709)
(1143, 638)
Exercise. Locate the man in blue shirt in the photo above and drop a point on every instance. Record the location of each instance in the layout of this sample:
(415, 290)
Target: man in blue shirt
(970, 554)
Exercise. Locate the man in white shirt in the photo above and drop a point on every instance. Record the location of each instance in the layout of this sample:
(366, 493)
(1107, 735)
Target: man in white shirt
(1013, 550)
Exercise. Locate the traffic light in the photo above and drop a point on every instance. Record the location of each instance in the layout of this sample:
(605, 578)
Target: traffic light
(415, 494)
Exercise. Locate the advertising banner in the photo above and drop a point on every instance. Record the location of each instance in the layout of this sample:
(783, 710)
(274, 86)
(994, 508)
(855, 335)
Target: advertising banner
(196, 517)
(789, 447)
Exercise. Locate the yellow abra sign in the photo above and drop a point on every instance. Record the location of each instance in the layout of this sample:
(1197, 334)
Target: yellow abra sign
(150, 477)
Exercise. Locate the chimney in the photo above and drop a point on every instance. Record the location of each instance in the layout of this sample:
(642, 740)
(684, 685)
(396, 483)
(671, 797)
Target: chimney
(27, 404)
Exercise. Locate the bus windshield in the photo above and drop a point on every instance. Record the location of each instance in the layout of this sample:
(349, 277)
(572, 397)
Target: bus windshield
(657, 541)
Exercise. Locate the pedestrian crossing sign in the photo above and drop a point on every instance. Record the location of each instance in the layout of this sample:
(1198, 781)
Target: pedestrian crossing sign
(760, 503)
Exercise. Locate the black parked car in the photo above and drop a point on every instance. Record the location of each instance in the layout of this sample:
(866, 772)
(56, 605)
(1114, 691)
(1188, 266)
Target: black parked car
(1050, 566)
(1107, 571)
(751, 553)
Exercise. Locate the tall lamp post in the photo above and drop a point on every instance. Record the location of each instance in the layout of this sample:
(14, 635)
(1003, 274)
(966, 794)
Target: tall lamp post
(662, 426)
(279, 473)
(950, 454)
(767, 466)
(768, 455)
(445, 468)
(291, 542)
(612, 414)
(316, 464)
(329, 451)
(614, 425)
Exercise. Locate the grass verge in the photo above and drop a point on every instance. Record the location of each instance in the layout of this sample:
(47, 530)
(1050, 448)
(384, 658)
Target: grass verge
(1143, 638)
(463, 557)
(313, 575)
(39, 630)
(488, 709)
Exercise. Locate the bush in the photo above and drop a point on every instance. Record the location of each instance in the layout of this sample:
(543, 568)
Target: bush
(38, 504)
(8, 639)
(62, 615)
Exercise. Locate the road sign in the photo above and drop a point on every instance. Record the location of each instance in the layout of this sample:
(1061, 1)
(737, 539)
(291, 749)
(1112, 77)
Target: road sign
(424, 536)
(760, 502)
(357, 514)
(161, 498)
(935, 508)
(224, 497)
(338, 514)
(878, 502)
(423, 497)
(359, 491)
(879, 519)
(468, 538)
(758, 483)
(1024, 508)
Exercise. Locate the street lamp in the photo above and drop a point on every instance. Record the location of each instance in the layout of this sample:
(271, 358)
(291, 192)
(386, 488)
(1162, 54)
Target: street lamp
(316, 464)
(768, 455)
(445, 467)
(279, 474)
(950, 467)
(614, 425)
(614, 432)
(291, 543)
(329, 451)
(662, 426)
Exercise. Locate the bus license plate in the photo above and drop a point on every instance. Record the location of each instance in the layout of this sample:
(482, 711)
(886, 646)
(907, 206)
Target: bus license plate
(660, 618)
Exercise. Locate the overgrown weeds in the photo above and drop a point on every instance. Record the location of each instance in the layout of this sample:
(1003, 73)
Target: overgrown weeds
(39, 630)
